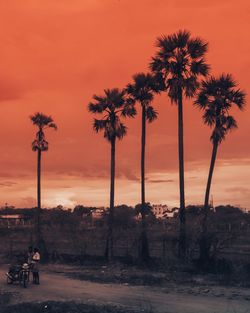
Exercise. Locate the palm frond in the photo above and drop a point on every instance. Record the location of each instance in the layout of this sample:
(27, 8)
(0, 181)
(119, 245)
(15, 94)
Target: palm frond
(179, 61)
(239, 98)
(99, 99)
(201, 100)
(114, 98)
(190, 84)
(156, 65)
(129, 110)
(41, 120)
(173, 89)
(44, 145)
(35, 145)
(114, 105)
(230, 123)
(197, 47)
(165, 43)
(209, 117)
(181, 38)
(121, 131)
(96, 107)
(41, 145)
(159, 83)
(99, 125)
(151, 114)
(53, 125)
(218, 135)
(142, 87)
(226, 82)
(200, 67)
(216, 97)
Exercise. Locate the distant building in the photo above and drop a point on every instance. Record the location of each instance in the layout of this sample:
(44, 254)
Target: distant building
(11, 220)
(171, 212)
(7, 206)
(211, 204)
(159, 210)
(162, 211)
(98, 213)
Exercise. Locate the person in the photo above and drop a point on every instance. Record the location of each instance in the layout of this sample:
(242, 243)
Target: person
(30, 254)
(35, 268)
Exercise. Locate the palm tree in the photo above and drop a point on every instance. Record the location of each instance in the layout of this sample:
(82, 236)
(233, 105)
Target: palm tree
(141, 90)
(216, 97)
(40, 145)
(112, 106)
(180, 62)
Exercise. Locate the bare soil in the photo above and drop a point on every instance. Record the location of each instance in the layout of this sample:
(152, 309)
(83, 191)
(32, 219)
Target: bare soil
(71, 288)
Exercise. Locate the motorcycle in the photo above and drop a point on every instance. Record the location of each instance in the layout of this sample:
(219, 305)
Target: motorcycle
(19, 273)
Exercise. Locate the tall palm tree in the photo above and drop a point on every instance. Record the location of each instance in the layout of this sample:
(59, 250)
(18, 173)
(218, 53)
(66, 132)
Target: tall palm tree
(39, 145)
(142, 91)
(112, 106)
(180, 62)
(216, 97)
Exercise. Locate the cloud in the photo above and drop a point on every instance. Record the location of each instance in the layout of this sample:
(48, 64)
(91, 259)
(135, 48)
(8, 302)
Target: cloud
(128, 175)
(244, 191)
(57, 54)
(158, 181)
(28, 202)
(7, 184)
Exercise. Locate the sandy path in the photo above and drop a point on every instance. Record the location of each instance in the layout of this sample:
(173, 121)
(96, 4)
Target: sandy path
(152, 299)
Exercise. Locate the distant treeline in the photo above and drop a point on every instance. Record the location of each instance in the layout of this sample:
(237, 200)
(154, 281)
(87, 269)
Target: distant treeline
(125, 215)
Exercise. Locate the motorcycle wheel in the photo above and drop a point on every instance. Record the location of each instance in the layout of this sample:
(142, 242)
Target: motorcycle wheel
(9, 280)
(25, 280)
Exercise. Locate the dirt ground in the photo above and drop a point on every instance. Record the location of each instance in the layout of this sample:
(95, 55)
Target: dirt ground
(65, 284)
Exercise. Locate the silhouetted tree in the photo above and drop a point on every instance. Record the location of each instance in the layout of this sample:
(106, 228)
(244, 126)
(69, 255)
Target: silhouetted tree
(224, 210)
(39, 145)
(180, 61)
(146, 209)
(194, 210)
(142, 90)
(124, 216)
(147, 216)
(112, 106)
(82, 210)
(216, 98)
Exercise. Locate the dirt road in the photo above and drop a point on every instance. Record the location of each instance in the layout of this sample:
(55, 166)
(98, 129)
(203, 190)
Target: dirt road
(57, 287)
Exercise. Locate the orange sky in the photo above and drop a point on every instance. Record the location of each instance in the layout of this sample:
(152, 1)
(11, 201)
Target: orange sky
(56, 53)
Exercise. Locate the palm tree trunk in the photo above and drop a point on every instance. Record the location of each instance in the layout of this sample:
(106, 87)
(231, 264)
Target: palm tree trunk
(39, 156)
(109, 247)
(182, 234)
(144, 253)
(39, 237)
(204, 245)
(143, 144)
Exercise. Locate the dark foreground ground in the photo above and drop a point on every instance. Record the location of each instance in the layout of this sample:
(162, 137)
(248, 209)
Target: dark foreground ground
(117, 288)
(64, 307)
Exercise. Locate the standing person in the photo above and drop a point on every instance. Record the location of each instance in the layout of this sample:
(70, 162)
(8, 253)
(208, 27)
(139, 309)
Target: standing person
(30, 254)
(35, 267)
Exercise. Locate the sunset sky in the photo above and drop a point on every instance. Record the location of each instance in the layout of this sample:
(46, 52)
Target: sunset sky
(55, 54)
